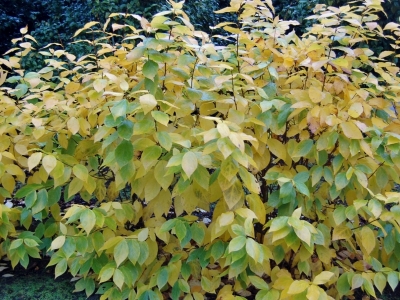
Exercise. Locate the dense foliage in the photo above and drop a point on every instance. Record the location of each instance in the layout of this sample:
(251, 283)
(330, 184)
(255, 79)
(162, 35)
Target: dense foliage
(292, 142)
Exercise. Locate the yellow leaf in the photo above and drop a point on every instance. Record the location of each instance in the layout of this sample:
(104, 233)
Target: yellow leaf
(246, 213)
(226, 219)
(34, 160)
(368, 239)
(223, 130)
(351, 131)
(100, 84)
(8, 182)
(75, 186)
(73, 125)
(355, 110)
(298, 286)
(257, 206)
(341, 232)
(277, 148)
(189, 163)
(315, 94)
(72, 87)
(234, 194)
(24, 30)
(90, 185)
(323, 277)
(58, 242)
(313, 293)
(148, 102)
(49, 162)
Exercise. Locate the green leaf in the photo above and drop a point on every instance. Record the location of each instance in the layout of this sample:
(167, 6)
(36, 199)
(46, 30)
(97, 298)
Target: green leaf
(303, 148)
(162, 277)
(258, 283)
(124, 153)
(54, 195)
(61, 267)
(197, 233)
(302, 188)
(30, 199)
(341, 181)
(88, 220)
(134, 250)
(41, 202)
(25, 190)
(180, 230)
(217, 249)
(343, 285)
(301, 177)
(143, 126)
(125, 130)
(393, 279)
(339, 215)
(119, 109)
(278, 223)
(16, 243)
(121, 252)
(164, 139)
(150, 69)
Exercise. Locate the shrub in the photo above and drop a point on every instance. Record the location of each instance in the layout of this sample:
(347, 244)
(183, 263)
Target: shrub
(293, 142)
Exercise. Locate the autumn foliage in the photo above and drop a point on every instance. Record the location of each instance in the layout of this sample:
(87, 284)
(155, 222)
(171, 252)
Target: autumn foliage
(292, 142)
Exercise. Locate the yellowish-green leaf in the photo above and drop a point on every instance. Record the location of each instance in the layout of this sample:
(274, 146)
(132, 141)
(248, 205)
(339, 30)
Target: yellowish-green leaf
(298, 286)
(148, 102)
(355, 110)
(34, 160)
(81, 172)
(73, 125)
(118, 278)
(189, 163)
(49, 162)
(234, 194)
(121, 251)
(341, 232)
(160, 117)
(100, 84)
(88, 220)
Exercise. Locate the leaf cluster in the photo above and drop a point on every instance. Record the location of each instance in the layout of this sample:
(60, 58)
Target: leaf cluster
(292, 142)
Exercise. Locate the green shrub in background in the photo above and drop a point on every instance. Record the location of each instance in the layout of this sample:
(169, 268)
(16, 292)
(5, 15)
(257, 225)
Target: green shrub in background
(293, 141)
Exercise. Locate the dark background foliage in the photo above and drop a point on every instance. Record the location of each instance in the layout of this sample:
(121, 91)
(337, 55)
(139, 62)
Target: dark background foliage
(52, 21)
